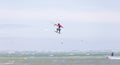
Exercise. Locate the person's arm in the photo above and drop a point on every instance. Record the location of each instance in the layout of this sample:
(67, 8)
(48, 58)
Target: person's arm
(61, 26)
(55, 25)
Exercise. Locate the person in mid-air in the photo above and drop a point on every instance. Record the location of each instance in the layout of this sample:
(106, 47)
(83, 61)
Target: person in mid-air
(59, 26)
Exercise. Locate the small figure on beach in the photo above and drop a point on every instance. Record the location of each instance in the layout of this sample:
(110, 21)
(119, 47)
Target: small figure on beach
(112, 54)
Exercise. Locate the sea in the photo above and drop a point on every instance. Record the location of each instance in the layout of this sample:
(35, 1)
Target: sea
(57, 58)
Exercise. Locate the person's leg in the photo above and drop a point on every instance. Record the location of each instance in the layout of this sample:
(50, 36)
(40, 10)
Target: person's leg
(59, 30)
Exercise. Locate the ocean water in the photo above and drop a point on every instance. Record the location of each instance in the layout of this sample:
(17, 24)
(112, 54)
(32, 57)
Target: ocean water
(59, 59)
(71, 60)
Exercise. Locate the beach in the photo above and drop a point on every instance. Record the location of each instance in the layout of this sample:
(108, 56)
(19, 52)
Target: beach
(65, 60)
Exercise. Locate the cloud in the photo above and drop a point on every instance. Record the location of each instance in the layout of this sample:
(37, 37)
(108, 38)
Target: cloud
(13, 26)
(39, 14)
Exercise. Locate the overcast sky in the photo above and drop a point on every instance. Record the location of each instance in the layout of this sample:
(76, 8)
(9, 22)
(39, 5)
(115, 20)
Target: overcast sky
(27, 25)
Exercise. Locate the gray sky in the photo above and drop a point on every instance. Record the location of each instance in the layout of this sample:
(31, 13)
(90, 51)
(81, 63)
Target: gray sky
(88, 25)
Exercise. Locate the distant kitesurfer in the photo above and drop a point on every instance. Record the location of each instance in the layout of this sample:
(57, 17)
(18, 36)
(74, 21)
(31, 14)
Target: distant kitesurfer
(112, 54)
(58, 29)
